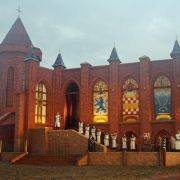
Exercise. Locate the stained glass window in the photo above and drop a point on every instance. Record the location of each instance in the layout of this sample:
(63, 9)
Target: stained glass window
(10, 87)
(41, 103)
(162, 98)
(130, 100)
(100, 102)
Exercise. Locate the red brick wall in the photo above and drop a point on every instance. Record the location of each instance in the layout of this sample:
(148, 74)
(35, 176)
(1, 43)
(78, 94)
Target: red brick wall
(58, 142)
(7, 137)
(37, 141)
(143, 158)
(172, 159)
(8, 156)
(128, 158)
(100, 158)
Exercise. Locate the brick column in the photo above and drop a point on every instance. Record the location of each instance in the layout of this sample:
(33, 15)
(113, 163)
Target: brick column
(58, 96)
(176, 91)
(113, 94)
(85, 113)
(19, 135)
(30, 86)
(145, 96)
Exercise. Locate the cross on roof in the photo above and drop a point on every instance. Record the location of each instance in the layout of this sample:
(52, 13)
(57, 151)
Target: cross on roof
(19, 11)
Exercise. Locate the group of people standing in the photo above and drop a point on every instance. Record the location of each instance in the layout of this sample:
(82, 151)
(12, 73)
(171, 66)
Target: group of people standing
(109, 140)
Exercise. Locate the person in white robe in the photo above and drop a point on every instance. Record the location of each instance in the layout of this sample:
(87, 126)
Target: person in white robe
(98, 133)
(93, 132)
(57, 121)
(114, 137)
(124, 142)
(133, 142)
(106, 139)
(81, 127)
(173, 143)
(177, 145)
(87, 128)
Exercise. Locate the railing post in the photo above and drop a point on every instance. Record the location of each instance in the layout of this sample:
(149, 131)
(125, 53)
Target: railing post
(124, 158)
(0, 146)
(25, 146)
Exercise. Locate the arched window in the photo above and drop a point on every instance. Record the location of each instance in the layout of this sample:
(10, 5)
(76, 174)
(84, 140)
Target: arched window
(41, 103)
(100, 102)
(10, 87)
(162, 98)
(130, 100)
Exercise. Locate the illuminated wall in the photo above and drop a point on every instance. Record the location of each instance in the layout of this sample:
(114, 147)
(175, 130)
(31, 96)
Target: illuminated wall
(162, 98)
(130, 100)
(100, 102)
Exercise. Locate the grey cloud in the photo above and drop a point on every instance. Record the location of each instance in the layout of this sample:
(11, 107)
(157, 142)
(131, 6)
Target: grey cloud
(85, 30)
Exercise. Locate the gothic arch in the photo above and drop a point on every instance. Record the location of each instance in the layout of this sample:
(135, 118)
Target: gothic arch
(130, 100)
(46, 83)
(160, 74)
(100, 97)
(71, 107)
(68, 82)
(161, 133)
(41, 103)
(10, 86)
(128, 77)
(162, 94)
(93, 83)
(159, 139)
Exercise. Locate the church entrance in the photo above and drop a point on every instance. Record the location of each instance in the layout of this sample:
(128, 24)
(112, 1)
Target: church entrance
(72, 103)
(159, 139)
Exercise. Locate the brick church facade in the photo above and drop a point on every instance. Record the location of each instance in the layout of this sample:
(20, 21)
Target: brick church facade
(140, 98)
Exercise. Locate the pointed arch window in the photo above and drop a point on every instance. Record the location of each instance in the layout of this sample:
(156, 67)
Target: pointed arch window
(41, 103)
(162, 98)
(10, 87)
(100, 102)
(130, 100)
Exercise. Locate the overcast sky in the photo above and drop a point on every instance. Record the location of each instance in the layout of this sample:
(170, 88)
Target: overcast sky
(86, 30)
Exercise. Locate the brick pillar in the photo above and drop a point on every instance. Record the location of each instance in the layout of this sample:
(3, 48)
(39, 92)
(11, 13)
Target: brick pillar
(113, 94)
(176, 91)
(58, 96)
(30, 87)
(85, 113)
(19, 135)
(145, 96)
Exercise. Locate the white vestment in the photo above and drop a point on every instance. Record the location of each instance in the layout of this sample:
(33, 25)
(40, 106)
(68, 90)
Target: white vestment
(124, 142)
(114, 144)
(173, 142)
(177, 145)
(87, 131)
(133, 143)
(93, 132)
(106, 139)
(57, 121)
(81, 127)
(99, 137)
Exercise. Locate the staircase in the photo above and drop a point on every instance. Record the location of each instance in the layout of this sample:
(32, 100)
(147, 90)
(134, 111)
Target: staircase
(70, 159)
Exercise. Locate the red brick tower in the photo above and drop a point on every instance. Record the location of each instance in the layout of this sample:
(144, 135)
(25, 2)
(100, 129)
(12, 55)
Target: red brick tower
(13, 50)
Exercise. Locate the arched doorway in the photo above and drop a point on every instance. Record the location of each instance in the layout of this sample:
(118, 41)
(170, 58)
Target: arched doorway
(72, 103)
(160, 136)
